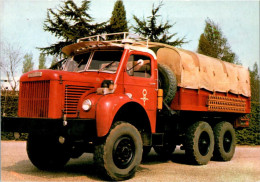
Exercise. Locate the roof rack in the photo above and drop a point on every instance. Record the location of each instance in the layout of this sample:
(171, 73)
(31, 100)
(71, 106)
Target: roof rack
(120, 37)
(116, 39)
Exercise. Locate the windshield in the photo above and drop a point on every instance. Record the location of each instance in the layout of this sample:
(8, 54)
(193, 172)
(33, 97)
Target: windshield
(105, 60)
(78, 62)
(101, 60)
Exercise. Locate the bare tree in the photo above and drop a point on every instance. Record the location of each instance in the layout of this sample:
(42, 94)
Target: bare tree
(11, 58)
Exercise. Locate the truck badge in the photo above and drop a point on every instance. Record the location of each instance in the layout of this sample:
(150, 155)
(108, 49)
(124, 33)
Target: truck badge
(144, 96)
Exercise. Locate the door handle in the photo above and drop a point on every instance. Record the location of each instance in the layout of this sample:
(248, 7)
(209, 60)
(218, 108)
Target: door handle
(152, 83)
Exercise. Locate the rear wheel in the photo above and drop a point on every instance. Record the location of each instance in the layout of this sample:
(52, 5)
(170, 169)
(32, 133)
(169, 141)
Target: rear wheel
(121, 152)
(46, 153)
(225, 141)
(199, 143)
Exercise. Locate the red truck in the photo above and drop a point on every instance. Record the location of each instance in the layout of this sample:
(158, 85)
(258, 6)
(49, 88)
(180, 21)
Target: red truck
(119, 98)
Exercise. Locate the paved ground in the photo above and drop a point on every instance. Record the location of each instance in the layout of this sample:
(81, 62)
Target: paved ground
(245, 166)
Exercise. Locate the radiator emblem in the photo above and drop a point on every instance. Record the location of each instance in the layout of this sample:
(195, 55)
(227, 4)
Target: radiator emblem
(35, 74)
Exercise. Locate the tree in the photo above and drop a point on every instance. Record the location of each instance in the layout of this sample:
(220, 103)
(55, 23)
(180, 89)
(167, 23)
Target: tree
(42, 61)
(54, 61)
(156, 32)
(27, 63)
(118, 22)
(255, 84)
(251, 135)
(68, 23)
(213, 43)
(10, 61)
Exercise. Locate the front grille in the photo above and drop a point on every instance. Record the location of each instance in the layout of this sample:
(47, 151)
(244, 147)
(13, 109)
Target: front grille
(34, 99)
(72, 96)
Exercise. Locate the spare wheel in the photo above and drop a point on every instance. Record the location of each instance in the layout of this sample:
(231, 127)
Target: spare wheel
(167, 82)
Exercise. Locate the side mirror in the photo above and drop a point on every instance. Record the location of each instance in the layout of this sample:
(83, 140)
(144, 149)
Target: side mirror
(140, 62)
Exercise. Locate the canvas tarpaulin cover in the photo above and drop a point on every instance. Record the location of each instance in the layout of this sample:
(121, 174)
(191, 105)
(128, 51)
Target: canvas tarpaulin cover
(197, 71)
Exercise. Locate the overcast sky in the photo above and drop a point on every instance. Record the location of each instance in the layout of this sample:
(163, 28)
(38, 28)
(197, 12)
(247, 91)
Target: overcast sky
(21, 22)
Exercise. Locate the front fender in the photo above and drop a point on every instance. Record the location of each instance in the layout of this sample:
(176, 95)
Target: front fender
(106, 109)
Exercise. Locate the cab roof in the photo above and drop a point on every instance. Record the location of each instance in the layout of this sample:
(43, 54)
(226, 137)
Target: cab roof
(80, 47)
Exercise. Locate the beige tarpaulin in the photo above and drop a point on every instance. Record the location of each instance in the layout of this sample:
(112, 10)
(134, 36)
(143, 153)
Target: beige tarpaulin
(196, 71)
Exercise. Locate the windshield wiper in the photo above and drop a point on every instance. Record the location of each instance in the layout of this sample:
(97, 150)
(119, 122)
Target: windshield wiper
(77, 67)
(107, 66)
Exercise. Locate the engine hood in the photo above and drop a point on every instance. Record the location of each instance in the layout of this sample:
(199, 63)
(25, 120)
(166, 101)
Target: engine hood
(53, 75)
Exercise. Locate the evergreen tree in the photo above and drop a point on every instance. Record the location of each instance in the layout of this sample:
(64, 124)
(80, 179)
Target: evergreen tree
(42, 61)
(118, 22)
(68, 23)
(156, 32)
(27, 63)
(255, 84)
(251, 135)
(213, 43)
(54, 61)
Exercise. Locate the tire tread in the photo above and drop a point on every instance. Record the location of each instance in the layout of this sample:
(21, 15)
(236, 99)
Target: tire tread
(219, 154)
(171, 91)
(100, 153)
(190, 152)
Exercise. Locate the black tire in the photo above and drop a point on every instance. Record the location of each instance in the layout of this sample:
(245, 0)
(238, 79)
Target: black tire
(225, 141)
(199, 144)
(46, 153)
(121, 152)
(166, 150)
(167, 82)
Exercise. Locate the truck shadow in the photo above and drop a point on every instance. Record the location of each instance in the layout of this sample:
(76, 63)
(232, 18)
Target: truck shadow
(82, 167)
(177, 157)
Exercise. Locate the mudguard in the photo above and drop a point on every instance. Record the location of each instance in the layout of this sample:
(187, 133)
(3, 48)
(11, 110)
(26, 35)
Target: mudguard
(106, 109)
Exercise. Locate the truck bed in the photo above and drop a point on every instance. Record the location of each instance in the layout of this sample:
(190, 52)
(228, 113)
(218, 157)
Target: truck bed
(207, 101)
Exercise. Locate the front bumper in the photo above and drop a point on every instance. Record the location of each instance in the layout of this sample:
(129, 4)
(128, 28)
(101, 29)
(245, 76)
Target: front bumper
(72, 127)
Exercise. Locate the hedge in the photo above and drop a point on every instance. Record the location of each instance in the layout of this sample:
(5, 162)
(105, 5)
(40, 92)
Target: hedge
(251, 135)
(9, 105)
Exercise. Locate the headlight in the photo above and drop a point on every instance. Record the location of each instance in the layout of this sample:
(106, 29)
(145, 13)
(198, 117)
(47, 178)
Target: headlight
(86, 105)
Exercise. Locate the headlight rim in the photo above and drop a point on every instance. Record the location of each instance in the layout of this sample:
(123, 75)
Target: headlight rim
(86, 105)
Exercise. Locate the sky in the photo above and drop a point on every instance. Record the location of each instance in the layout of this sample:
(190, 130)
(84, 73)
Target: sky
(21, 22)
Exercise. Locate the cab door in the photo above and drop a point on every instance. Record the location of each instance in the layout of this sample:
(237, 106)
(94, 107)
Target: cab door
(140, 79)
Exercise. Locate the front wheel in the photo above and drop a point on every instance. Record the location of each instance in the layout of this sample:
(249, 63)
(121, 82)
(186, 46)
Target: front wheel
(46, 153)
(199, 143)
(121, 152)
(225, 141)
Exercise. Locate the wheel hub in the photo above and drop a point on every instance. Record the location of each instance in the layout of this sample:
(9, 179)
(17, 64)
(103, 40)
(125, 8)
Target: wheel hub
(204, 143)
(123, 152)
(227, 141)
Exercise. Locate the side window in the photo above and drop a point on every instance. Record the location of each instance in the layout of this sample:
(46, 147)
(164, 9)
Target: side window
(139, 66)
